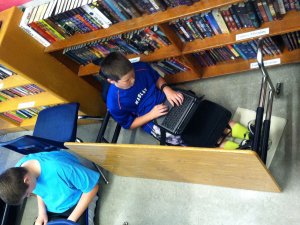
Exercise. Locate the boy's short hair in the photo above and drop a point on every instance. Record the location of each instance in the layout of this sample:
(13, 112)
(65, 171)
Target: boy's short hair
(12, 185)
(114, 66)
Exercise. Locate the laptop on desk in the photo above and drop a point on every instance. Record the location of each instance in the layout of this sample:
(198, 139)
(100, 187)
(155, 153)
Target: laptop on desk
(179, 116)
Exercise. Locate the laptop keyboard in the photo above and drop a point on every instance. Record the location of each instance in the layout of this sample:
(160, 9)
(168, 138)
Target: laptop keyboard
(176, 112)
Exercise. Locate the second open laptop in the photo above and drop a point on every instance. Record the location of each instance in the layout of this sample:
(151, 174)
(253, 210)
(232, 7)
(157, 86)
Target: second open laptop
(178, 116)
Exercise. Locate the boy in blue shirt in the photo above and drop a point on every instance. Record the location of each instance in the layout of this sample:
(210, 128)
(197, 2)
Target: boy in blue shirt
(63, 186)
(136, 98)
(136, 95)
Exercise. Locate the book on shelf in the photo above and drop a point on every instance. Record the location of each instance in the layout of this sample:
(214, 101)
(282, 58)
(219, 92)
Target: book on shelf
(5, 70)
(24, 25)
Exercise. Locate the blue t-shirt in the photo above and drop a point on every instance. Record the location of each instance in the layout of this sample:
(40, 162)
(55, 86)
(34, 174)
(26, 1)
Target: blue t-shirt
(62, 180)
(127, 104)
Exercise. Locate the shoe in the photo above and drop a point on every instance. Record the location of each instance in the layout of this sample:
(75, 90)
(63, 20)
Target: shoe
(246, 144)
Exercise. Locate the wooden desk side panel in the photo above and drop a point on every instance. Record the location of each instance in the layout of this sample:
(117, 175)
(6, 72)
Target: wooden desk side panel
(237, 169)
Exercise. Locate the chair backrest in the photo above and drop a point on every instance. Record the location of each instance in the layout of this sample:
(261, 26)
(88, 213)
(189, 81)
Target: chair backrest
(105, 87)
(62, 222)
(58, 123)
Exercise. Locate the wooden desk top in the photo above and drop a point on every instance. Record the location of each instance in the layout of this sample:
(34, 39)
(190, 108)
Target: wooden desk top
(229, 168)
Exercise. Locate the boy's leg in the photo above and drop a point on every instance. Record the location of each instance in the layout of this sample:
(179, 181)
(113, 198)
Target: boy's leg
(239, 131)
(170, 138)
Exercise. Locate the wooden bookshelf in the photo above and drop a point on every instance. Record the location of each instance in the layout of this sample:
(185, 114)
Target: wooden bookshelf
(23, 55)
(289, 23)
(140, 22)
(233, 66)
(159, 54)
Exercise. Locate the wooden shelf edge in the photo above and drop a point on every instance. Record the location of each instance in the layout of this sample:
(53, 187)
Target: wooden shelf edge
(288, 24)
(231, 67)
(13, 81)
(7, 126)
(41, 99)
(162, 53)
(140, 22)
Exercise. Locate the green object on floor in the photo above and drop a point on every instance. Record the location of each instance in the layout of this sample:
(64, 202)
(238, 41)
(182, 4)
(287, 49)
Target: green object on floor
(239, 131)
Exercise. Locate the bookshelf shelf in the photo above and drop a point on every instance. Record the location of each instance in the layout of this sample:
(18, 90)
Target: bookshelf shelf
(41, 99)
(140, 22)
(13, 81)
(159, 54)
(289, 23)
(24, 56)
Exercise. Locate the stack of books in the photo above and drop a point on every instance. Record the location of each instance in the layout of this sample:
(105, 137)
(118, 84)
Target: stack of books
(251, 13)
(169, 66)
(5, 72)
(245, 50)
(58, 19)
(21, 91)
(143, 41)
(18, 116)
(292, 40)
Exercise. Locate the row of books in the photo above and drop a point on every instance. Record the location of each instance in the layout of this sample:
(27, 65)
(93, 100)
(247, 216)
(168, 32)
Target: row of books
(58, 19)
(5, 72)
(292, 40)
(245, 50)
(25, 90)
(251, 13)
(18, 116)
(143, 41)
(169, 66)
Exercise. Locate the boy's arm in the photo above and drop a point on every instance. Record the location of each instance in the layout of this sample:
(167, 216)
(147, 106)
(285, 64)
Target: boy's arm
(83, 203)
(42, 218)
(157, 111)
(173, 97)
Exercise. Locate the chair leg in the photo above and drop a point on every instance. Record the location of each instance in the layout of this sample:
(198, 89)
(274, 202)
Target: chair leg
(78, 140)
(102, 175)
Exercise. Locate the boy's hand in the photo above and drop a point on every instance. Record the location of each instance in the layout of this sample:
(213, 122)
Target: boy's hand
(158, 110)
(42, 219)
(174, 97)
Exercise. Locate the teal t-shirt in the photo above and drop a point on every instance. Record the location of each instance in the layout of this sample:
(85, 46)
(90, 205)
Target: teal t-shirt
(63, 179)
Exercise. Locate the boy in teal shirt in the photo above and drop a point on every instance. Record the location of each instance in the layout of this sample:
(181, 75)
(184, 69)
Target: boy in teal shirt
(63, 186)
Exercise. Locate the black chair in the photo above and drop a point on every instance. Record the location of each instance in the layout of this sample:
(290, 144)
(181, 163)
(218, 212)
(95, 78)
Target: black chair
(100, 138)
(204, 129)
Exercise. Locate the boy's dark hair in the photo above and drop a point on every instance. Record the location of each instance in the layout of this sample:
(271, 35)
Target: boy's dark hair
(114, 66)
(12, 185)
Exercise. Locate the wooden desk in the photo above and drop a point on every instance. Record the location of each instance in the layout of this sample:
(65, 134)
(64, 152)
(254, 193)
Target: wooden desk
(229, 168)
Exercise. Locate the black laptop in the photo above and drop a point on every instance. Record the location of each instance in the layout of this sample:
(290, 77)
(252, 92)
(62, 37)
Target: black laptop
(179, 116)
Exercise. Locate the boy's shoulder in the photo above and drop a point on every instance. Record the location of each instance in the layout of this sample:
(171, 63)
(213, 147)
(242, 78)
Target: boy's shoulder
(140, 65)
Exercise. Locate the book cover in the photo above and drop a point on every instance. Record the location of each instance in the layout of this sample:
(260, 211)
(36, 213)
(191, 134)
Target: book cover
(281, 7)
(213, 23)
(236, 18)
(220, 21)
(267, 10)
(272, 9)
(252, 14)
(262, 11)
